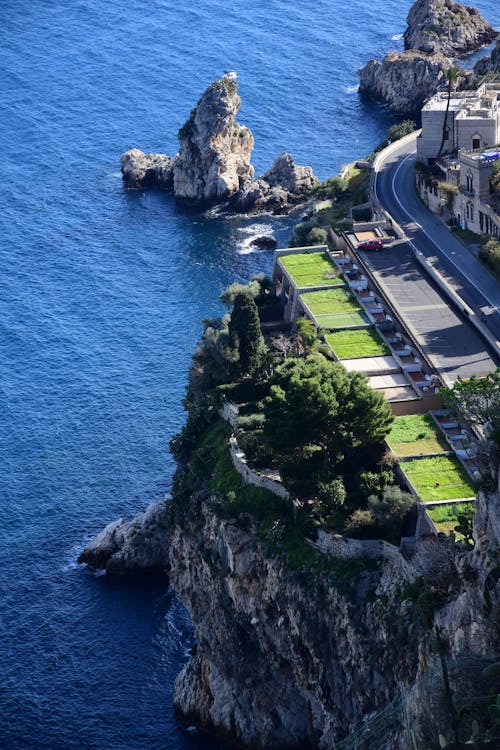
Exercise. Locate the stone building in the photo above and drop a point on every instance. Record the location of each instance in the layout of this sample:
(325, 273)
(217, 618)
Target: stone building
(473, 122)
(471, 148)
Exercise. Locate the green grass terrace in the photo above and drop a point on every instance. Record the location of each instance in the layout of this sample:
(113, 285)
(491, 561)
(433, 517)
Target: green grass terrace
(445, 515)
(416, 435)
(438, 478)
(335, 308)
(311, 269)
(356, 344)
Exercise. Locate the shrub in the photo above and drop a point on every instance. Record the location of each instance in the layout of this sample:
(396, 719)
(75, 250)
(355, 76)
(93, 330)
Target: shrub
(490, 254)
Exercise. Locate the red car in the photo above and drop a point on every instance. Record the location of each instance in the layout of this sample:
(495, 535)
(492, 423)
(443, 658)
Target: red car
(371, 245)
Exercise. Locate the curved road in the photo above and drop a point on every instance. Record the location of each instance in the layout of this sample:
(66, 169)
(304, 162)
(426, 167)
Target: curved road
(394, 187)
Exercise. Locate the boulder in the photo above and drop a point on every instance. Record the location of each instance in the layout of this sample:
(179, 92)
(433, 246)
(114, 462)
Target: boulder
(147, 170)
(137, 546)
(286, 174)
(264, 242)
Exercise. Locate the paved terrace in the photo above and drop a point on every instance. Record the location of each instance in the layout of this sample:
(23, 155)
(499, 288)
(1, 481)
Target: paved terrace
(453, 347)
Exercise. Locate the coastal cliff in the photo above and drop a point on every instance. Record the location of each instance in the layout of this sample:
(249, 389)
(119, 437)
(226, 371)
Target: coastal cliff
(213, 165)
(438, 31)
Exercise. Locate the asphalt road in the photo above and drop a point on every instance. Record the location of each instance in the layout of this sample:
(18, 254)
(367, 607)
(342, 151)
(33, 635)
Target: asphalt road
(394, 186)
(450, 343)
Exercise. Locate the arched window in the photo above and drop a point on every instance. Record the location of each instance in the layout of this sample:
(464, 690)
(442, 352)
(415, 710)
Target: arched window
(470, 211)
(476, 141)
(469, 181)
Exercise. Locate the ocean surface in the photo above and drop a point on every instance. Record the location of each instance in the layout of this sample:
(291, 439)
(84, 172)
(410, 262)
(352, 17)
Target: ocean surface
(101, 296)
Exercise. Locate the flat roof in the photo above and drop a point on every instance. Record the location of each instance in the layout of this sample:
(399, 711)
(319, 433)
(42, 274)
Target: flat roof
(371, 364)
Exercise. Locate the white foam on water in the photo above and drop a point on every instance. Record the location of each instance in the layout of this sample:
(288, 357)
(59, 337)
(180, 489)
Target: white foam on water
(244, 245)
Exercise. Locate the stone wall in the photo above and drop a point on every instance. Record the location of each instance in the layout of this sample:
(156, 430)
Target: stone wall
(250, 476)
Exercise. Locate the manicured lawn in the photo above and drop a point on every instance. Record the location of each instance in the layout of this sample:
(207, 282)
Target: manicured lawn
(311, 269)
(438, 478)
(330, 301)
(364, 342)
(342, 320)
(444, 516)
(416, 435)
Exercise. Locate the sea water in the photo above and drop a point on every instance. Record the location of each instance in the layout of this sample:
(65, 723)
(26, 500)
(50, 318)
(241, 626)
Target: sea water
(102, 292)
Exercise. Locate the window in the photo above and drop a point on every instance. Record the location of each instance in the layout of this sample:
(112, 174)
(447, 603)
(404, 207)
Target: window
(469, 181)
(446, 134)
(476, 142)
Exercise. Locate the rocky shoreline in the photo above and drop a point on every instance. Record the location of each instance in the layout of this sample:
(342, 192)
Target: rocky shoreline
(213, 167)
(438, 32)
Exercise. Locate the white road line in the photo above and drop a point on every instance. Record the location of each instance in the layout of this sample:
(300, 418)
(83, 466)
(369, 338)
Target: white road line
(412, 218)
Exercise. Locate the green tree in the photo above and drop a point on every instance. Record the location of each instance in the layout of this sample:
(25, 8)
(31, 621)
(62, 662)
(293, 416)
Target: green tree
(478, 400)
(452, 76)
(314, 401)
(245, 334)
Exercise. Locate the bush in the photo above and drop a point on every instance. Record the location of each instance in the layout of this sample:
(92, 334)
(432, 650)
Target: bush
(490, 254)
(316, 236)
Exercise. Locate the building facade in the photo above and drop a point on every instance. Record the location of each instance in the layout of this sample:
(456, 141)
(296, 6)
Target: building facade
(473, 122)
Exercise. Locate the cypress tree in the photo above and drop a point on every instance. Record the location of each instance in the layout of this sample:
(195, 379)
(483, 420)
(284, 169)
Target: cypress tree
(245, 333)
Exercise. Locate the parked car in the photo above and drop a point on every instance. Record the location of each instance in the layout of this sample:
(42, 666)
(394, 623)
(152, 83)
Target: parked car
(371, 245)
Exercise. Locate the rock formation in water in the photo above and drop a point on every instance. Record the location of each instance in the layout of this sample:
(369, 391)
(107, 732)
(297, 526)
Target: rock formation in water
(213, 164)
(137, 546)
(404, 80)
(147, 170)
(447, 28)
(215, 150)
(438, 31)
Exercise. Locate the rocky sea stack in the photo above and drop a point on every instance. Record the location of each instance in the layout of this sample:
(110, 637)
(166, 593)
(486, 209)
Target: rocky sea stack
(438, 32)
(213, 163)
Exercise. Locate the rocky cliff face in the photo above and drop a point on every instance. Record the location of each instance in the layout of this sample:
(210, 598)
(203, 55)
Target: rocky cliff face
(298, 657)
(215, 150)
(446, 27)
(283, 656)
(489, 64)
(213, 164)
(290, 659)
(404, 80)
(438, 31)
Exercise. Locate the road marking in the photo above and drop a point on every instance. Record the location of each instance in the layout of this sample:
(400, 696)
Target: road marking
(405, 211)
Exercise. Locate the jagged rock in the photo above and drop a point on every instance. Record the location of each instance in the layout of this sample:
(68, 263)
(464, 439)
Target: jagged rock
(265, 242)
(147, 170)
(281, 188)
(490, 63)
(286, 174)
(438, 31)
(446, 27)
(404, 80)
(137, 546)
(213, 163)
(215, 150)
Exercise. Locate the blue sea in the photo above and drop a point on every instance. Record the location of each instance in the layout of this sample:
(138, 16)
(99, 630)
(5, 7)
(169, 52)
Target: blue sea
(102, 292)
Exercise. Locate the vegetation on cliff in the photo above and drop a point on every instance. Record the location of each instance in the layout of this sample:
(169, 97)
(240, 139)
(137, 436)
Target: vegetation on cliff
(300, 416)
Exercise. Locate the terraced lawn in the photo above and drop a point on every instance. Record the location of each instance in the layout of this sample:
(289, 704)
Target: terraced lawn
(343, 320)
(444, 516)
(312, 269)
(416, 435)
(438, 478)
(329, 301)
(364, 342)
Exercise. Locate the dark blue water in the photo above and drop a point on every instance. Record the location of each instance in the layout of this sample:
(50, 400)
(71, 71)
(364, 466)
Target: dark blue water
(101, 296)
